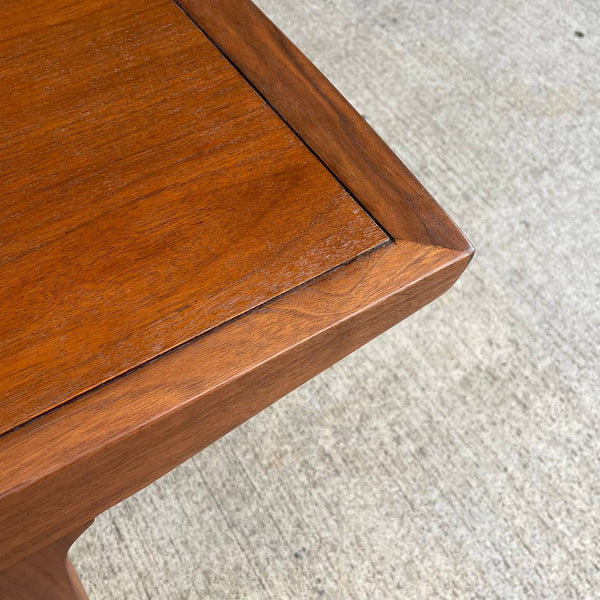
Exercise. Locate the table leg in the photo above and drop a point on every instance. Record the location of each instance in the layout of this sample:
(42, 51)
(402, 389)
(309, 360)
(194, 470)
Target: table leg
(45, 575)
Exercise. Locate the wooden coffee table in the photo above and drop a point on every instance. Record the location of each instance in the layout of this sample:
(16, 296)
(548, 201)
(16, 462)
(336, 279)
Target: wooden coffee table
(193, 222)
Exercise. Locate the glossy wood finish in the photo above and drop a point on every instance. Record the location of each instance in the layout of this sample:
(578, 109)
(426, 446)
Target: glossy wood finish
(101, 447)
(147, 196)
(46, 574)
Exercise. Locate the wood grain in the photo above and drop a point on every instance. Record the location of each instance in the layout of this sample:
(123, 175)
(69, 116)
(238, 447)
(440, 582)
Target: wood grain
(103, 447)
(47, 573)
(147, 195)
(326, 121)
(65, 467)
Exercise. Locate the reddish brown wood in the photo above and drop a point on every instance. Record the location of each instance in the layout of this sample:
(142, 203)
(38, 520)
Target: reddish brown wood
(47, 573)
(99, 448)
(326, 121)
(122, 436)
(148, 194)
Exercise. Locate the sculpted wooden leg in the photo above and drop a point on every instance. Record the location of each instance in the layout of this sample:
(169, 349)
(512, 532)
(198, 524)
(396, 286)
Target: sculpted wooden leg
(45, 575)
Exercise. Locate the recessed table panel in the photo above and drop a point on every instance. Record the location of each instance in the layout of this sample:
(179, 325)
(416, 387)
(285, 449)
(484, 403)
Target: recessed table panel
(147, 195)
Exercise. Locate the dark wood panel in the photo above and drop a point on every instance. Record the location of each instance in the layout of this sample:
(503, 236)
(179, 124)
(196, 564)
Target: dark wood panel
(103, 447)
(147, 194)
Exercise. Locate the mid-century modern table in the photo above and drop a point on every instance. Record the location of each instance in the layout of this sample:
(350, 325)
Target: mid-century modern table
(193, 222)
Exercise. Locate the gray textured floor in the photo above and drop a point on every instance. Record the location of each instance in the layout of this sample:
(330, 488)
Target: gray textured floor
(459, 454)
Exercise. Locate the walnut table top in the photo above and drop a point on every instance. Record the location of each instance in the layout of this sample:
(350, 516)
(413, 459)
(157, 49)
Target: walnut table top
(193, 222)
